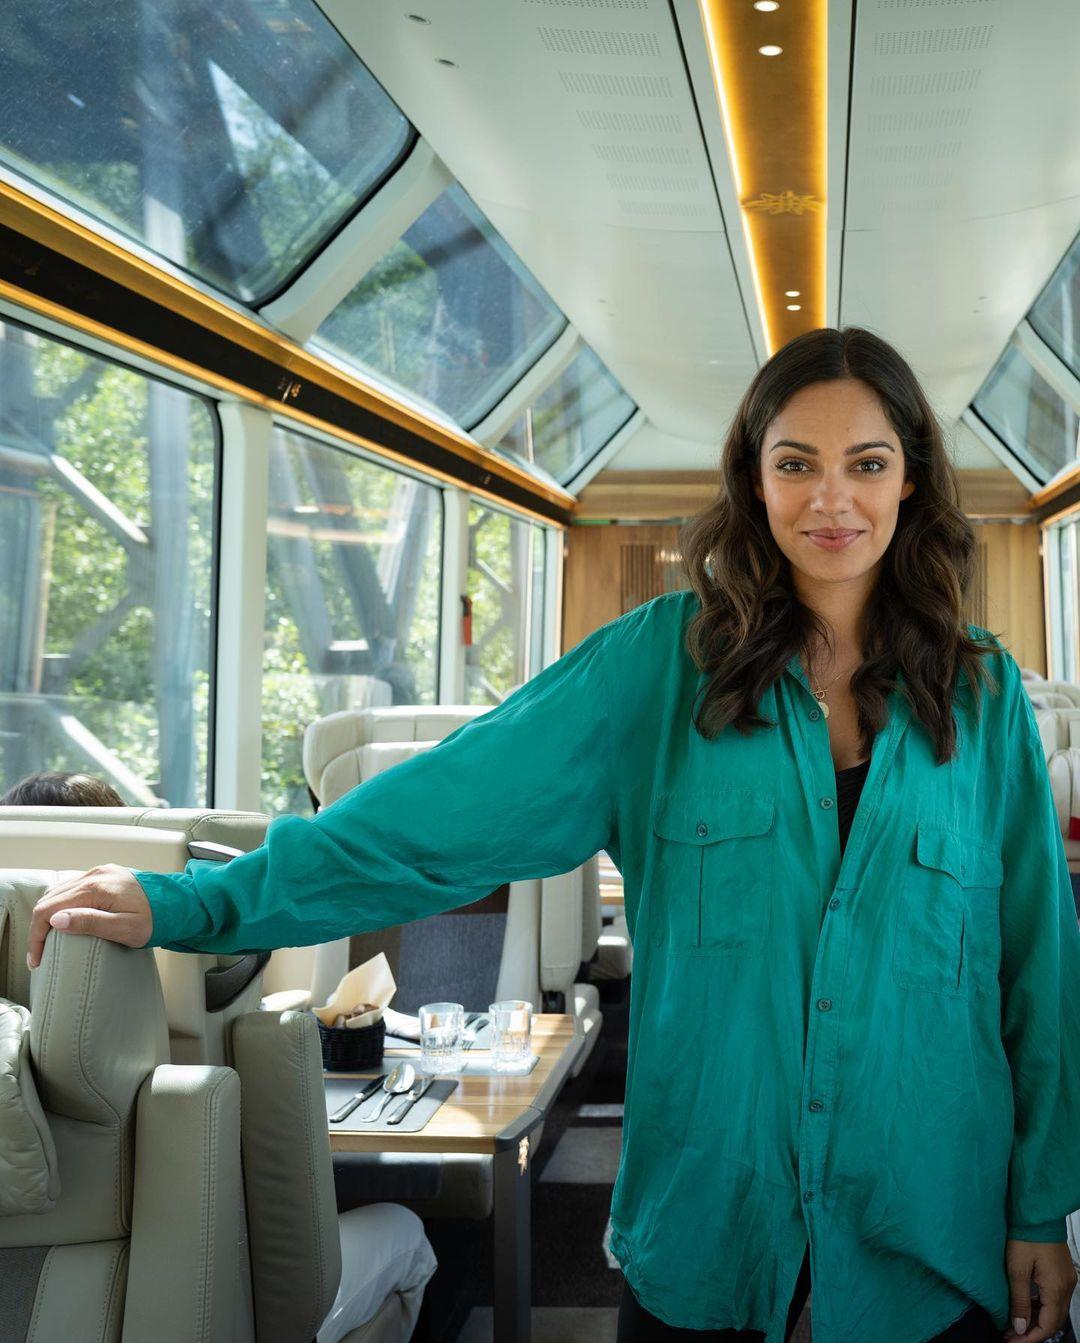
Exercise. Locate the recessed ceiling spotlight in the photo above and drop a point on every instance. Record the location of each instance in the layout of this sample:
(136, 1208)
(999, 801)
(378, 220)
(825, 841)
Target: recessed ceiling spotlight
(794, 307)
(441, 60)
(791, 293)
(766, 6)
(770, 50)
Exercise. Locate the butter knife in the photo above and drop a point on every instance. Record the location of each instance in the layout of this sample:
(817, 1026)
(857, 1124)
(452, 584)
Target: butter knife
(368, 1089)
(411, 1097)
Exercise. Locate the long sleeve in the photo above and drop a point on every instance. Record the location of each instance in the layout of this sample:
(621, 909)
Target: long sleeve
(1040, 981)
(525, 790)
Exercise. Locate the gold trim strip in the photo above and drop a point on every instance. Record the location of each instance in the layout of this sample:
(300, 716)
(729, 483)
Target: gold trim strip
(71, 239)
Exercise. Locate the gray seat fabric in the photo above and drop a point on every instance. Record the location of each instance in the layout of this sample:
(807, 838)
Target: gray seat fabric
(151, 1211)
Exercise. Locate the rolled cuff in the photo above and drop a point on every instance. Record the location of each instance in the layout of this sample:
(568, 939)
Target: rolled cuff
(176, 909)
(1047, 1232)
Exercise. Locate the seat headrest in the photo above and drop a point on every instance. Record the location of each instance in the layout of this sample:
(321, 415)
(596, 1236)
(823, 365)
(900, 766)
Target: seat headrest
(333, 746)
(238, 829)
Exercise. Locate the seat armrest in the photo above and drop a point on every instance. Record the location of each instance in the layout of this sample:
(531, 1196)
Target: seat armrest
(188, 1279)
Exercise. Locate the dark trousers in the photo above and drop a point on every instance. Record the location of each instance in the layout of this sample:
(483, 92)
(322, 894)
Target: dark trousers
(636, 1325)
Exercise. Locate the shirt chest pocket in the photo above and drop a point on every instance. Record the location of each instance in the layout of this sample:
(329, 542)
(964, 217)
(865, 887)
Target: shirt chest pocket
(714, 856)
(947, 939)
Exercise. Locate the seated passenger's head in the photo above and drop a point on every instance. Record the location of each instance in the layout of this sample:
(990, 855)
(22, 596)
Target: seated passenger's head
(56, 789)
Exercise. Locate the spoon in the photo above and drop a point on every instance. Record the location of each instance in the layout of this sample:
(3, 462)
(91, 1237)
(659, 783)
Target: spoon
(401, 1079)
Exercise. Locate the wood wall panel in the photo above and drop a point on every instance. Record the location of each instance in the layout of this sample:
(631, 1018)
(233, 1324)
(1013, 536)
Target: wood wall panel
(610, 569)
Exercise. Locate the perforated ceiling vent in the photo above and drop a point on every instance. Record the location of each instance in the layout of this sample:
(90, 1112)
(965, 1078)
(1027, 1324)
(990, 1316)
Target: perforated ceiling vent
(925, 4)
(599, 42)
(666, 154)
(616, 86)
(593, 4)
(933, 41)
(924, 83)
(919, 119)
(632, 123)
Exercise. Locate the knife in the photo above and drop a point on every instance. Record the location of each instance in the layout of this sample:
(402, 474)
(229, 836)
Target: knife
(411, 1097)
(368, 1089)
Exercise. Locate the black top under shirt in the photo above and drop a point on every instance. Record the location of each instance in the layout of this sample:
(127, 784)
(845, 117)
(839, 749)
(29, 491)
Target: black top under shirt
(849, 786)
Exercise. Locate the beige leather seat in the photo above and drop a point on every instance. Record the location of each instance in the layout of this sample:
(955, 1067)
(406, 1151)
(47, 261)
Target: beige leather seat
(150, 1210)
(541, 948)
(153, 840)
(550, 921)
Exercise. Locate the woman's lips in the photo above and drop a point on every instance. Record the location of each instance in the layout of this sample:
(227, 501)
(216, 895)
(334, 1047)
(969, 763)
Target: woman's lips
(832, 542)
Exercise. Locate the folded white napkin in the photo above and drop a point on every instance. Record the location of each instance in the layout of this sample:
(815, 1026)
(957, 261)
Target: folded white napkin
(361, 997)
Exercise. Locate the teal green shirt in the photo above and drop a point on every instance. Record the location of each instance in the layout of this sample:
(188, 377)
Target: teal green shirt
(878, 1055)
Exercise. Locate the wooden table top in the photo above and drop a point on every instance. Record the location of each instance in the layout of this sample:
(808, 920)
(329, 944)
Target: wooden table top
(479, 1108)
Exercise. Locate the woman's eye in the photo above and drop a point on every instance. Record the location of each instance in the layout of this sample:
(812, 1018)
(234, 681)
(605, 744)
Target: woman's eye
(875, 462)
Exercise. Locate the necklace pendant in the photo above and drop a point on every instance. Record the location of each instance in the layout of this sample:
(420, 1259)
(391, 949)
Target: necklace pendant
(824, 708)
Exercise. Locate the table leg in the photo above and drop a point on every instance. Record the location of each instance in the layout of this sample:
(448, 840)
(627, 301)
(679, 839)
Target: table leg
(512, 1180)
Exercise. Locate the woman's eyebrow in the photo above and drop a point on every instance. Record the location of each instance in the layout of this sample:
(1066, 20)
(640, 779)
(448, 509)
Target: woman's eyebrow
(808, 447)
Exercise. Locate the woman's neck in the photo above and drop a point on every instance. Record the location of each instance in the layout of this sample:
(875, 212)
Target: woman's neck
(842, 608)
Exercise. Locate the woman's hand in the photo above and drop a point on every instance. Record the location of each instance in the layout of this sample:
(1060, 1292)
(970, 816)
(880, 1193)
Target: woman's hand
(105, 902)
(1051, 1266)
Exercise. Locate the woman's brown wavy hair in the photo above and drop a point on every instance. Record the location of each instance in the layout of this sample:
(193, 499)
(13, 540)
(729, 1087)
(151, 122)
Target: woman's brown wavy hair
(751, 623)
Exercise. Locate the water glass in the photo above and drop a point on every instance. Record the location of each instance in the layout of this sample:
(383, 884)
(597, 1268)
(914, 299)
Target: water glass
(511, 1035)
(442, 1026)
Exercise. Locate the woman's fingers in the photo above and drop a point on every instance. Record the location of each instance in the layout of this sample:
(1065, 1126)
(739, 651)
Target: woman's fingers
(104, 902)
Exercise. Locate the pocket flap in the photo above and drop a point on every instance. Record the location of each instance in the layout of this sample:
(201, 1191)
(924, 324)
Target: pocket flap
(703, 818)
(968, 862)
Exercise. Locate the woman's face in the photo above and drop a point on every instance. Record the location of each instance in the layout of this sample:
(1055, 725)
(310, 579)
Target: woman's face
(832, 462)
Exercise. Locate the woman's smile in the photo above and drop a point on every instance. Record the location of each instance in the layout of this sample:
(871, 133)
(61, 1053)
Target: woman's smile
(831, 539)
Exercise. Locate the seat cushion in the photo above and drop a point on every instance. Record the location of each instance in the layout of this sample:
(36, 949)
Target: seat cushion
(29, 1179)
(384, 1249)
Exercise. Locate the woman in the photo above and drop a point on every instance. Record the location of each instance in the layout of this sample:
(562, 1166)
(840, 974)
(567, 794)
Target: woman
(856, 1053)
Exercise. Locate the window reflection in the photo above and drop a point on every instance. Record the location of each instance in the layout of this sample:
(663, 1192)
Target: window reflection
(232, 138)
(505, 583)
(352, 599)
(1029, 416)
(106, 544)
(571, 420)
(449, 314)
(1056, 316)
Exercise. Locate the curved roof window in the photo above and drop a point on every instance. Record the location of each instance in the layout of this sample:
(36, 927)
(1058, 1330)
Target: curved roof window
(231, 138)
(1056, 316)
(449, 313)
(1028, 415)
(571, 420)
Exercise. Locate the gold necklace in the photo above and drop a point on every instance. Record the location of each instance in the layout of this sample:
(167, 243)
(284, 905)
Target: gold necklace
(819, 695)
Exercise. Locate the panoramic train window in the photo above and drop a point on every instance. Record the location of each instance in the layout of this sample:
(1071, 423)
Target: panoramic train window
(1065, 594)
(449, 314)
(231, 139)
(571, 420)
(506, 583)
(1029, 416)
(352, 598)
(1056, 316)
(106, 544)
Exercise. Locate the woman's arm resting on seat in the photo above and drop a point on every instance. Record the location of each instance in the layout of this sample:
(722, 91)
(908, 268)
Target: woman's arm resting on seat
(526, 790)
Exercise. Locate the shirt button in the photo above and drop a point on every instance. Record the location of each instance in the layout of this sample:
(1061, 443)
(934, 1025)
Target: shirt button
(702, 829)
(824, 1004)
(815, 714)
(826, 802)
(808, 1196)
(816, 1105)
(834, 903)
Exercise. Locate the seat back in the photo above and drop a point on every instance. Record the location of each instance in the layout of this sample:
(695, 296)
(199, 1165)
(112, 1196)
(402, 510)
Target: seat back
(293, 1229)
(519, 942)
(79, 838)
(145, 1235)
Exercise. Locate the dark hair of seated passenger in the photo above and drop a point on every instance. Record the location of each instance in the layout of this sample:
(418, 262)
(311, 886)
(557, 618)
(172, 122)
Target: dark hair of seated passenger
(53, 788)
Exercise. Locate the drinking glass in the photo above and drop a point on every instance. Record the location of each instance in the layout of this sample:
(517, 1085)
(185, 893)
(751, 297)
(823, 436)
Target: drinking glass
(441, 1028)
(511, 1035)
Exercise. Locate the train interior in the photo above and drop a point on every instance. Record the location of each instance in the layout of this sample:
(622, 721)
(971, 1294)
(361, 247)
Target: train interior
(359, 358)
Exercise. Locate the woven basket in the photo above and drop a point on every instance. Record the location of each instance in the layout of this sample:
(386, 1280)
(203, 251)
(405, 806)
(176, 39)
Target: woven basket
(347, 1051)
